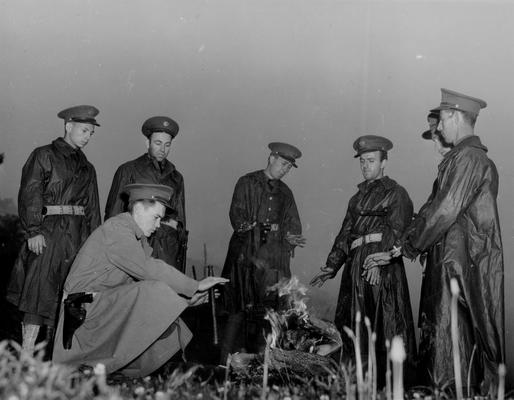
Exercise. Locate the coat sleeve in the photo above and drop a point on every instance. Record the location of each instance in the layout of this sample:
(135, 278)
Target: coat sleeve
(115, 204)
(398, 218)
(459, 182)
(292, 222)
(93, 203)
(180, 202)
(341, 247)
(239, 213)
(34, 176)
(126, 253)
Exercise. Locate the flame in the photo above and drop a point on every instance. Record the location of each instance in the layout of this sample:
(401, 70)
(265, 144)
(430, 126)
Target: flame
(295, 312)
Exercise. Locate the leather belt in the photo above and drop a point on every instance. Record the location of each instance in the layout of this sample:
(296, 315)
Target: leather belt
(369, 238)
(270, 227)
(63, 210)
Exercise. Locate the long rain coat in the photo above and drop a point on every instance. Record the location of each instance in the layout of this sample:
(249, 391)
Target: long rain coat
(55, 174)
(145, 169)
(133, 323)
(463, 216)
(381, 206)
(256, 260)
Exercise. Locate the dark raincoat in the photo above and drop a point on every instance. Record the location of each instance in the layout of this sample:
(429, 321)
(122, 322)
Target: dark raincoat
(133, 322)
(145, 169)
(256, 259)
(462, 215)
(381, 206)
(55, 174)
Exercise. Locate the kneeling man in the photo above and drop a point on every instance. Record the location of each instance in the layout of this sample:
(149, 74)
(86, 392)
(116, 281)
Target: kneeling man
(121, 307)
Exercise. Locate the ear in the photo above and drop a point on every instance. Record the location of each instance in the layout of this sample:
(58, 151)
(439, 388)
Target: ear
(68, 126)
(147, 141)
(383, 163)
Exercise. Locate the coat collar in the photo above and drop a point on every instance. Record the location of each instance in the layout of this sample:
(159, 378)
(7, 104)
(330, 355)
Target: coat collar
(469, 141)
(132, 224)
(146, 161)
(384, 182)
(64, 148)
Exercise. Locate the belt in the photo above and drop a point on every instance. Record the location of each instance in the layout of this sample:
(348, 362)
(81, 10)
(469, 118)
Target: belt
(63, 210)
(369, 238)
(270, 227)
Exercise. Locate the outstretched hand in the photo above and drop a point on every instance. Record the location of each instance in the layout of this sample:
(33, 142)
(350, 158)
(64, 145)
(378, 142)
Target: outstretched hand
(198, 298)
(321, 277)
(295, 240)
(210, 281)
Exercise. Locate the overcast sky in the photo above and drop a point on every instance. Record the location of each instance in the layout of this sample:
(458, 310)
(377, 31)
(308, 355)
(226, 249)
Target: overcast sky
(238, 74)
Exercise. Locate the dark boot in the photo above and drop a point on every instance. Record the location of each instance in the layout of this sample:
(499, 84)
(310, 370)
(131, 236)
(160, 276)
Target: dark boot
(233, 336)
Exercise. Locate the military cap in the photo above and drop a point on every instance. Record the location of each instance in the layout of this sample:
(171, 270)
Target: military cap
(435, 114)
(159, 124)
(286, 151)
(84, 113)
(149, 191)
(427, 134)
(451, 100)
(367, 143)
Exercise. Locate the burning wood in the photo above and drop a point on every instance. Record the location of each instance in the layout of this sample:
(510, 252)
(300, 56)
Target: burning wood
(299, 341)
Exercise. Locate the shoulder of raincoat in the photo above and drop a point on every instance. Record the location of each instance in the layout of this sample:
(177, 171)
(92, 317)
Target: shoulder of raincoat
(391, 198)
(145, 169)
(117, 253)
(466, 176)
(40, 182)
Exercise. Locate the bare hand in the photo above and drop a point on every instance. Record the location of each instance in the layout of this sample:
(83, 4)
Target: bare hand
(321, 277)
(372, 275)
(210, 281)
(377, 259)
(198, 298)
(246, 226)
(36, 244)
(396, 251)
(295, 240)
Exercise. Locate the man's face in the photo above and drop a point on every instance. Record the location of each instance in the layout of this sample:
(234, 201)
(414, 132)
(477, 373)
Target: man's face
(148, 218)
(449, 125)
(442, 150)
(159, 145)
(278, 167)
(78, 134)
(432, 124)
(371, 166)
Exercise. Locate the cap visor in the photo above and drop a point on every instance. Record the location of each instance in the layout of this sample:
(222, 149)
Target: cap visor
(427, 135)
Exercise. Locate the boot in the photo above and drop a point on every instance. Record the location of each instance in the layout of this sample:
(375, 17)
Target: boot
(29, 336)
(233, 336)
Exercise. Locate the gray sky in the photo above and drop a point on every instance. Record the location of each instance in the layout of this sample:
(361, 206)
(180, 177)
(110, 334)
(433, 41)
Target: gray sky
(238, 74)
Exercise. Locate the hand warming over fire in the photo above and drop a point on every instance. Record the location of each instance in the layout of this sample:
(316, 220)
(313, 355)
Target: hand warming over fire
(295, 240)
(322, 276)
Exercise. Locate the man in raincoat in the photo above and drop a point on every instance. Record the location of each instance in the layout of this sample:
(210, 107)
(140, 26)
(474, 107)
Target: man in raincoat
(170, 240)
(463, 216)
(127, 302)
(267, 228)
(58, 209)
(375, 221)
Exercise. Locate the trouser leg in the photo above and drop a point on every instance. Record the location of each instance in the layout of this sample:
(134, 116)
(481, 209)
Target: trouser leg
(233, 338)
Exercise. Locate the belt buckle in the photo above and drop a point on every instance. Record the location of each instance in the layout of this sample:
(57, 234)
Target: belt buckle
(61, 209)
